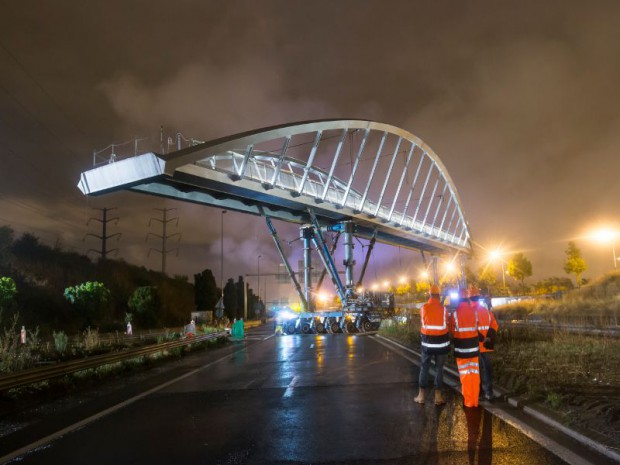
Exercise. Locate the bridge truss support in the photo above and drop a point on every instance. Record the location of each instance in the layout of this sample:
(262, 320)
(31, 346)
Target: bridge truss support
(359, 311)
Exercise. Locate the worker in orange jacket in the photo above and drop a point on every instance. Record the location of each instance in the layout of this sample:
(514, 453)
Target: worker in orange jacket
(435, 342)
(487, 331)
(464, 329)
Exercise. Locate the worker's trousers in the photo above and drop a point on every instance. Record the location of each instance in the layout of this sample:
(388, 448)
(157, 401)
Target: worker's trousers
(486, 373)
(469, 372)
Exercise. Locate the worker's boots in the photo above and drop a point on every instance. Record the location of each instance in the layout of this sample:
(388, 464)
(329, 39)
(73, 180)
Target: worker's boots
(421, 397)
(439, 398)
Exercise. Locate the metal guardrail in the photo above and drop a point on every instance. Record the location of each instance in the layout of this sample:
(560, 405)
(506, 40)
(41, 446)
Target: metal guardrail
(36, 375)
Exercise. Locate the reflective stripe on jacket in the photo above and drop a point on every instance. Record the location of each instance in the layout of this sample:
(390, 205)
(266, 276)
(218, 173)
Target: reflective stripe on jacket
(464, 329)
(435, 335)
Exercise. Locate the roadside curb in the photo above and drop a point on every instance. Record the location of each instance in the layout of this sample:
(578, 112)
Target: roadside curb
(531, 410)
(597, 446)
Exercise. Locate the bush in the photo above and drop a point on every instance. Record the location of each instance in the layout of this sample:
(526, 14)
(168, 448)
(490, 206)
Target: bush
(554, 400)
(60, 341)
(91, 339)
(15, 356)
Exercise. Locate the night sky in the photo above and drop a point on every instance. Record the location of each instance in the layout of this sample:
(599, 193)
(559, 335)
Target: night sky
(519, 99)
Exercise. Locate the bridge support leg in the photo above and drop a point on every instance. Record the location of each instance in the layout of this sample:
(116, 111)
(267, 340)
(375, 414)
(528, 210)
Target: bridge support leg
(349, 261)
(434, 264)
(307, 233)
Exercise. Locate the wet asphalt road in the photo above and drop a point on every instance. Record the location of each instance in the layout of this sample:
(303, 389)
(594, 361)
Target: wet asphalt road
(296, 399)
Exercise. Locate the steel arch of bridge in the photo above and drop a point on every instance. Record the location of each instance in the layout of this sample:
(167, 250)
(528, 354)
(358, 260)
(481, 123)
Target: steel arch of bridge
(383, 178)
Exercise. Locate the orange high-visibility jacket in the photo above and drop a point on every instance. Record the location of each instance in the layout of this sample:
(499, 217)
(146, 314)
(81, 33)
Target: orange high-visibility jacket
(464, 329)
(435, 335)
(487, 324)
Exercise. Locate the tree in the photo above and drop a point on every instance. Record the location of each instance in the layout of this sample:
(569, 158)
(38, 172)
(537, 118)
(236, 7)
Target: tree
(206, 293)
(519, 267)
(241, 293)
(553, 285)
(574, 264)
(230, 299)
(8, 289)
(422, 288)
(29, 247)
(6, 242)
(90, 299)
(145, 303)
(487, 281)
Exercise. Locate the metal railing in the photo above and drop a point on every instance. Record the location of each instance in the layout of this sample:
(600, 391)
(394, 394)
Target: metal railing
(36, 375)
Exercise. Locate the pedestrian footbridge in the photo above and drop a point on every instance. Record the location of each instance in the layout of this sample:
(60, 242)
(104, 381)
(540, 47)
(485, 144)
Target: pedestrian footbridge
(385, 180)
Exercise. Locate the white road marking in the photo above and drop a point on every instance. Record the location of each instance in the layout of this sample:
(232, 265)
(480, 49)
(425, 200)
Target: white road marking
(290, 388)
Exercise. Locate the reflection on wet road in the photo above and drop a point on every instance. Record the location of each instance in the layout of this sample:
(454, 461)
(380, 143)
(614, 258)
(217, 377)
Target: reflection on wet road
(297, 399)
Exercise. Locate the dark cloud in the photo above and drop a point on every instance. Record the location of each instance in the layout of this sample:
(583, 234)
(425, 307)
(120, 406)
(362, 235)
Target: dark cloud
(519, 99)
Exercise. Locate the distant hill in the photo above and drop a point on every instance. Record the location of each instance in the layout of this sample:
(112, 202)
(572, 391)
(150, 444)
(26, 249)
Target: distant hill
(42, 273)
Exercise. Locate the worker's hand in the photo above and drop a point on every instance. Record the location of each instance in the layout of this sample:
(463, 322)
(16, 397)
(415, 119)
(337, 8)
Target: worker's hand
(488, 343)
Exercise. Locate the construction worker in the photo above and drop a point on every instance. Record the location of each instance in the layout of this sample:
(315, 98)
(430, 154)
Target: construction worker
(435, 342)
(487, 330)
(464, 329)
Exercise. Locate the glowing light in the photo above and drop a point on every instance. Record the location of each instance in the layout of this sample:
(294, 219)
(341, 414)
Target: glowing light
(495, 255)
(607, 236)
(386, 284)
(286, 315)
(402, 280)
(604, 235)
(375, 287)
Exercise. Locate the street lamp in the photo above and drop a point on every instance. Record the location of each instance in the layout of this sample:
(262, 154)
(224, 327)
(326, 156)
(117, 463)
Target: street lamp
(222, 255)
(258, 274)
(607, 236)
(496, 255)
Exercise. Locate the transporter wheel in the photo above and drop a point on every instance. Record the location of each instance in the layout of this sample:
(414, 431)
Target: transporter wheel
(306, 329)
(335, 327)
(367, 325)
(320, 328)
(349, 327)
(290, 328)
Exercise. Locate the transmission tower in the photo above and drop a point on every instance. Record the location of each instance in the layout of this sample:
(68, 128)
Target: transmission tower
(164, 236)
(104, 220)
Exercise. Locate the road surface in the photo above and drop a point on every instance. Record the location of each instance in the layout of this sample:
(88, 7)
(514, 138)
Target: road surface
(326, 399)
